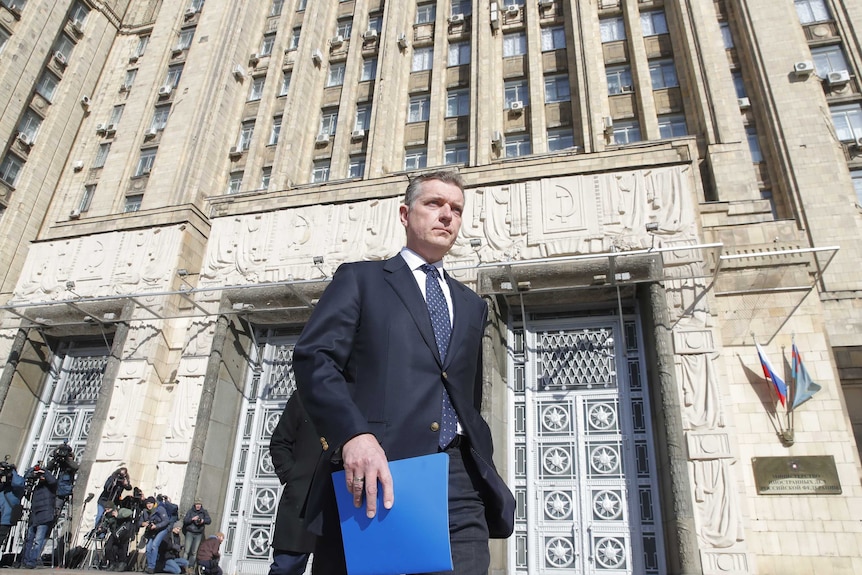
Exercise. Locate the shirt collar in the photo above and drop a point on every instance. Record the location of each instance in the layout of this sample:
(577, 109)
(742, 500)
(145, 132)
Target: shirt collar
(415, 261)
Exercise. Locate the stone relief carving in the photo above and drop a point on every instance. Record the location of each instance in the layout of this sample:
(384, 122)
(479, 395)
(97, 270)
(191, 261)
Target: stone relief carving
(700, 392)
(720, 522)
(126, 397)
(184, 399)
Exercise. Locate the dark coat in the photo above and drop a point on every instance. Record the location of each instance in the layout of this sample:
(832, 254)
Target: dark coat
(11, 493)
(192, 525)
(209, 549)
(43, 496)
(295, 451)
(367, 362)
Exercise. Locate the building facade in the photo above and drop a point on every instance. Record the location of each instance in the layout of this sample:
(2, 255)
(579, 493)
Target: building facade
(653, 188)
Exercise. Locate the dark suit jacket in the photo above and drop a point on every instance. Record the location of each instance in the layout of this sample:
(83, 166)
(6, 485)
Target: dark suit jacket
(295, 451)
(367, 362)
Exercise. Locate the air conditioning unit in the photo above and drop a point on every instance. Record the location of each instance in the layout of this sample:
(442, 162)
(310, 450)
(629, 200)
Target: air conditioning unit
(370, 34)
(804, 68)
(546, 3)
(190, 12)
(110, 129)
(357, 134)
(628, 89)
(402, 41)
(317, 57)
(239, 72)
(836, 79)
(322, 139)
(497, 138)
(85, 101)
(336, 41)
(60, 58)
(24, 139)
(75, 214)
(100, 128)
(456, 18)
(165, 90)
(176, 51)
(512, 10)
(133, 58)
(495, 16)
(254, 59)
(609, 122)
(516, 105)
(76, 28)
(151, 133)
(78, 165)
(235, 152)
(857, 143)
(124, 88)
(743, 103)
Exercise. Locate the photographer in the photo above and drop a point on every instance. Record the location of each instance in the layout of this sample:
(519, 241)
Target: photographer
(194, 524)
(116, 483)
(170, 558)
(42, 488)
(117, 524)
(64, 467)
(11, 492)
(155, 523)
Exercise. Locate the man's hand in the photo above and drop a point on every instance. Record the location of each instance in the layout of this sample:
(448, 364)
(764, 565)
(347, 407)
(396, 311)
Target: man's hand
(365, 464)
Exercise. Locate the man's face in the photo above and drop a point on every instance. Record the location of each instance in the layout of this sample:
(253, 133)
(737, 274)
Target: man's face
(150, 504)
(434, 219)
(197, 506)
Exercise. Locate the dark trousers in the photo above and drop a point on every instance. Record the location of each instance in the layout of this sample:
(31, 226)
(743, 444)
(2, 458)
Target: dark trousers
(468, 530)
(288, 563)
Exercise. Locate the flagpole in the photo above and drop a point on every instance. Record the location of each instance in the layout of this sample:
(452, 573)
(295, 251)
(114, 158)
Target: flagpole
(785, 435)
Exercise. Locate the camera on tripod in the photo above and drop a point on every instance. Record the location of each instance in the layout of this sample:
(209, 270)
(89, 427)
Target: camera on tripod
(62, 457)
(6, 471)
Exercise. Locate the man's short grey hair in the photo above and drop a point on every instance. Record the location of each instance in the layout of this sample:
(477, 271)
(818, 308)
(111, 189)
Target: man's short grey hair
(414, 188)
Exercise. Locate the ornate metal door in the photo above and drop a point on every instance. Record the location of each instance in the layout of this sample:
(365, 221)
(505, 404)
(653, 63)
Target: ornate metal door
(253, 495)
(583, 454)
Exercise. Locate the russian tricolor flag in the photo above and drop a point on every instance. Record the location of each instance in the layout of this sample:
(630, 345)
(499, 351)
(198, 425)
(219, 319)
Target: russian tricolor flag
(769, 373)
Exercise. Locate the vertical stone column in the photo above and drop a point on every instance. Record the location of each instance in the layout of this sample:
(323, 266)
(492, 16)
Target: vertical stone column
(682, 529)
(12, 364)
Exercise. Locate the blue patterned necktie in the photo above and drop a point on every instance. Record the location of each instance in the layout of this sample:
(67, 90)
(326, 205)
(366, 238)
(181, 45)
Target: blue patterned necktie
(439, 311)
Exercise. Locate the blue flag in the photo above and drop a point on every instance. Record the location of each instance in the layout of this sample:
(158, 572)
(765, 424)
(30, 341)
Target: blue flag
(805, 387)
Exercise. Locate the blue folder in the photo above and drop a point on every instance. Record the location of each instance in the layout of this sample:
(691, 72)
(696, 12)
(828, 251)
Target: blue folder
(413, 536)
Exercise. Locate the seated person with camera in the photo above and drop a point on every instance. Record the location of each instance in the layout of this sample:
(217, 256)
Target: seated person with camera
(170, 558)
(118, 527)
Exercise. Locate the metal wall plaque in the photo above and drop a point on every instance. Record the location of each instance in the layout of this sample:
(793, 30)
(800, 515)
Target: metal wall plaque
(803, 475)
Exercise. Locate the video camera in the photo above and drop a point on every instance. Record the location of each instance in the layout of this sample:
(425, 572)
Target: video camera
(6, 471)
(62, 457)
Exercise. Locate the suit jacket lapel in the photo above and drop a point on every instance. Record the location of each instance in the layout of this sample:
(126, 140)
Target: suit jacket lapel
(460, 302)
(400, 277)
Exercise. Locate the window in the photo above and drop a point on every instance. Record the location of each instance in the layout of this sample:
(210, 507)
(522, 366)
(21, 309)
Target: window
(619, 80)
(79, 13)
(456, 153)
(294, 38)
(369, 69)
(514, 44)
(828, 59)
(64, 46)
(196, 5)
(87, 198)
(374, 22)
(560, 139)
(507, 3)
(116, 114)
(459, 53)
(29, 125)
(518, 146)
(663, 74)
(811, 11)
(419, 108)
(423, 58)
(133, 203)
(142, 46)
(266, 44)
(256, 90)
(363, 118)
(185, 39)
(10, 167)
(672, 126)
(276, 7)
(847, 120)
(612, 29)
(557, 88)
(47, 85)
(234, 182)
(856, 176)
(516, 91)
(344, 28)
(129, 79)
(145, 162)
(246, 133)
(626, 132)
(320, 171)
(553, 38)
(14, 5)
(739, 84)
(328, 122)
(160, 118)
(426, 13)
(356, 167)
(4, 37)
(457, 103)
(174, 74)
(102, 155)
(276, 131)
(753, 144)
(464, 7)
(300, 6)
(265, 176)
(285, 83)
(726, 36)
(336, 74)
(415, 158)
(653, 23)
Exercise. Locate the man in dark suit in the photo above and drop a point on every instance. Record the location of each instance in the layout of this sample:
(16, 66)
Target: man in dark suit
(295, 450)
(389, 366)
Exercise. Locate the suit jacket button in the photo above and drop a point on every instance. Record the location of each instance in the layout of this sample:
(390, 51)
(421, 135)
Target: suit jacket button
(435, 426)
(445, 375)
(324, 444)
